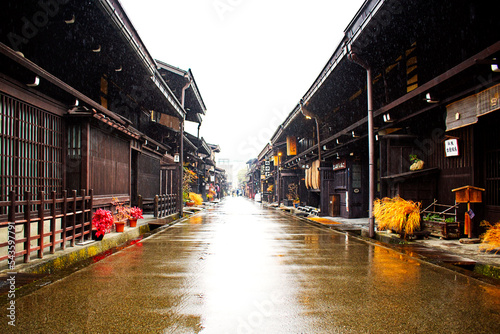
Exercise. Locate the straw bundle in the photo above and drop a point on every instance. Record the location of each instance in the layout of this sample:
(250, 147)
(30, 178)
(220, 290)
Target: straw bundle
(397, 214)
(491, 237)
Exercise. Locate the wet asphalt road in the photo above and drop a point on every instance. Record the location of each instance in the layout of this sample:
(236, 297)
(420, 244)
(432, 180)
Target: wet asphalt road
(240, 268)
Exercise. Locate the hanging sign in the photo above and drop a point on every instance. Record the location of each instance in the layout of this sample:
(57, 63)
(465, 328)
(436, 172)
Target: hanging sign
(275, 158)
(341, 164)
(291, 145)
(451, 148)
(176, 157)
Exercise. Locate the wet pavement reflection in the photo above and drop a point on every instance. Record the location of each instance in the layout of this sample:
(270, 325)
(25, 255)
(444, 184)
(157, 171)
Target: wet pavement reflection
(242, 268)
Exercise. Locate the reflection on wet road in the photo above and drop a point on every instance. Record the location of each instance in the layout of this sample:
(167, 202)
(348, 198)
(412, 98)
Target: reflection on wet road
(240, 268)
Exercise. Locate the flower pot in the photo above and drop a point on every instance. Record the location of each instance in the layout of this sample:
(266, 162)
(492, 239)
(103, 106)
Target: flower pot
(120, 226)
(189, 203)
(132, 222)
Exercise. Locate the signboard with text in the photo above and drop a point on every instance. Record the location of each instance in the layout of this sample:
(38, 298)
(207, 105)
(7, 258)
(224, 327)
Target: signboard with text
(340, 164)
(291, 145)
(451, 148)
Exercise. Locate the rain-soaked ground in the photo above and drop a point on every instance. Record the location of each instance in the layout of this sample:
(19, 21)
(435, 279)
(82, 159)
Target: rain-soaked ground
(241, 268)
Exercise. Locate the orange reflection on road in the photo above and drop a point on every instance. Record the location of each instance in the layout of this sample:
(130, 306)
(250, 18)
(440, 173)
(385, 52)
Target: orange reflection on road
(395, 268)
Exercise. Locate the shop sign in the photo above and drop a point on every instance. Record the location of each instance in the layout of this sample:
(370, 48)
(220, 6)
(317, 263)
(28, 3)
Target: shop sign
(341, 164)
(451, 148)
(291, 145)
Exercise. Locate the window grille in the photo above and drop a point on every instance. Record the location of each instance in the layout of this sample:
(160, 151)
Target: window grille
(30, 149)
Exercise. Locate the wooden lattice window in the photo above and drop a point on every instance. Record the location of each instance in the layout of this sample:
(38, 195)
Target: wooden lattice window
(30, 149)
(493, 178)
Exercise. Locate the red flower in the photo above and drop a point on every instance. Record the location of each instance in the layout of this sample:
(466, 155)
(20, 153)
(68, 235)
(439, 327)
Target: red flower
(102, 221)
(136, 213)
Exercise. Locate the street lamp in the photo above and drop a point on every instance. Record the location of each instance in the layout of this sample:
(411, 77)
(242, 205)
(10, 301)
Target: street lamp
(307, 116)
(278, 173)
(371, 142)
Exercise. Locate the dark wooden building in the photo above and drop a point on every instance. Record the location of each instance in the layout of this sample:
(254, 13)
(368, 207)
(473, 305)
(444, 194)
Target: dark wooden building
(83, 105)
(434, 92)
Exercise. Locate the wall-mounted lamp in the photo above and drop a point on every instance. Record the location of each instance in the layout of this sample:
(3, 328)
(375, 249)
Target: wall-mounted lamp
(354, 135)
(387, 118)
(35, 83)
(494, 67)
(119, 69)
(324, 148)
(457, 116)
(77, 103)
(376, 137)
(70, 20)
(338, 141)
(430, 99)
(97, 49)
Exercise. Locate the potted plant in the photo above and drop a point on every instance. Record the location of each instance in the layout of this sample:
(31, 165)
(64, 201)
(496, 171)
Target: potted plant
(210, 196)
(134, 214)
(292, 196)
(416, 163)
(102, 221)
(440, 221)
(397, 214)
(121, 214)
(188, 179)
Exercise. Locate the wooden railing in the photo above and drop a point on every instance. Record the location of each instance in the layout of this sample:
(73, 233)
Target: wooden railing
(55, 220)
(161, 205)
(165, 205)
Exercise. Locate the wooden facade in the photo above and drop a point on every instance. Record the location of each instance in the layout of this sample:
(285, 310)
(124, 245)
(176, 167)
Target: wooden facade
(424, 95)
(82, 106)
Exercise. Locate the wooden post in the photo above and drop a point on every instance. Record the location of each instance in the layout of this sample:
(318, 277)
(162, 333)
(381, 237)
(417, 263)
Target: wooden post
(41, 227)
(12, 209)
(12, 219)
(468, 194)
(156, 206)
(27, 226)
(53, 223)
(91, 206)
(73, 218)
(82, 216)
(162, 206)
(64, 221)
(139, 201)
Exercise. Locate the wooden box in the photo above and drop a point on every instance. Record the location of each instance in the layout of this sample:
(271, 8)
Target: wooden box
(442, 229)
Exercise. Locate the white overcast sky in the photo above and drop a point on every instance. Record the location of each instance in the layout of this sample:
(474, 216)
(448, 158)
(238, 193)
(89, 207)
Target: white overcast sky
(253, 60)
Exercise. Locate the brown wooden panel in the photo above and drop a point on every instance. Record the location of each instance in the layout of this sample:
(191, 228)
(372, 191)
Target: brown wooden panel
(148, 176)
(109, 163)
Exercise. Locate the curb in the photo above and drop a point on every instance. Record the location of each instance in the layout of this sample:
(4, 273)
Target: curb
(63, 259)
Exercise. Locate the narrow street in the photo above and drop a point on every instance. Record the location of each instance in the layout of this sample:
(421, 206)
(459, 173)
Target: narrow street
(241, 268)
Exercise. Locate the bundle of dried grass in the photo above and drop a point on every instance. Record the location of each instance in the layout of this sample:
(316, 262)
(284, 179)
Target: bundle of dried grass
(196, 198)
(491, 238)
(397, 214)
